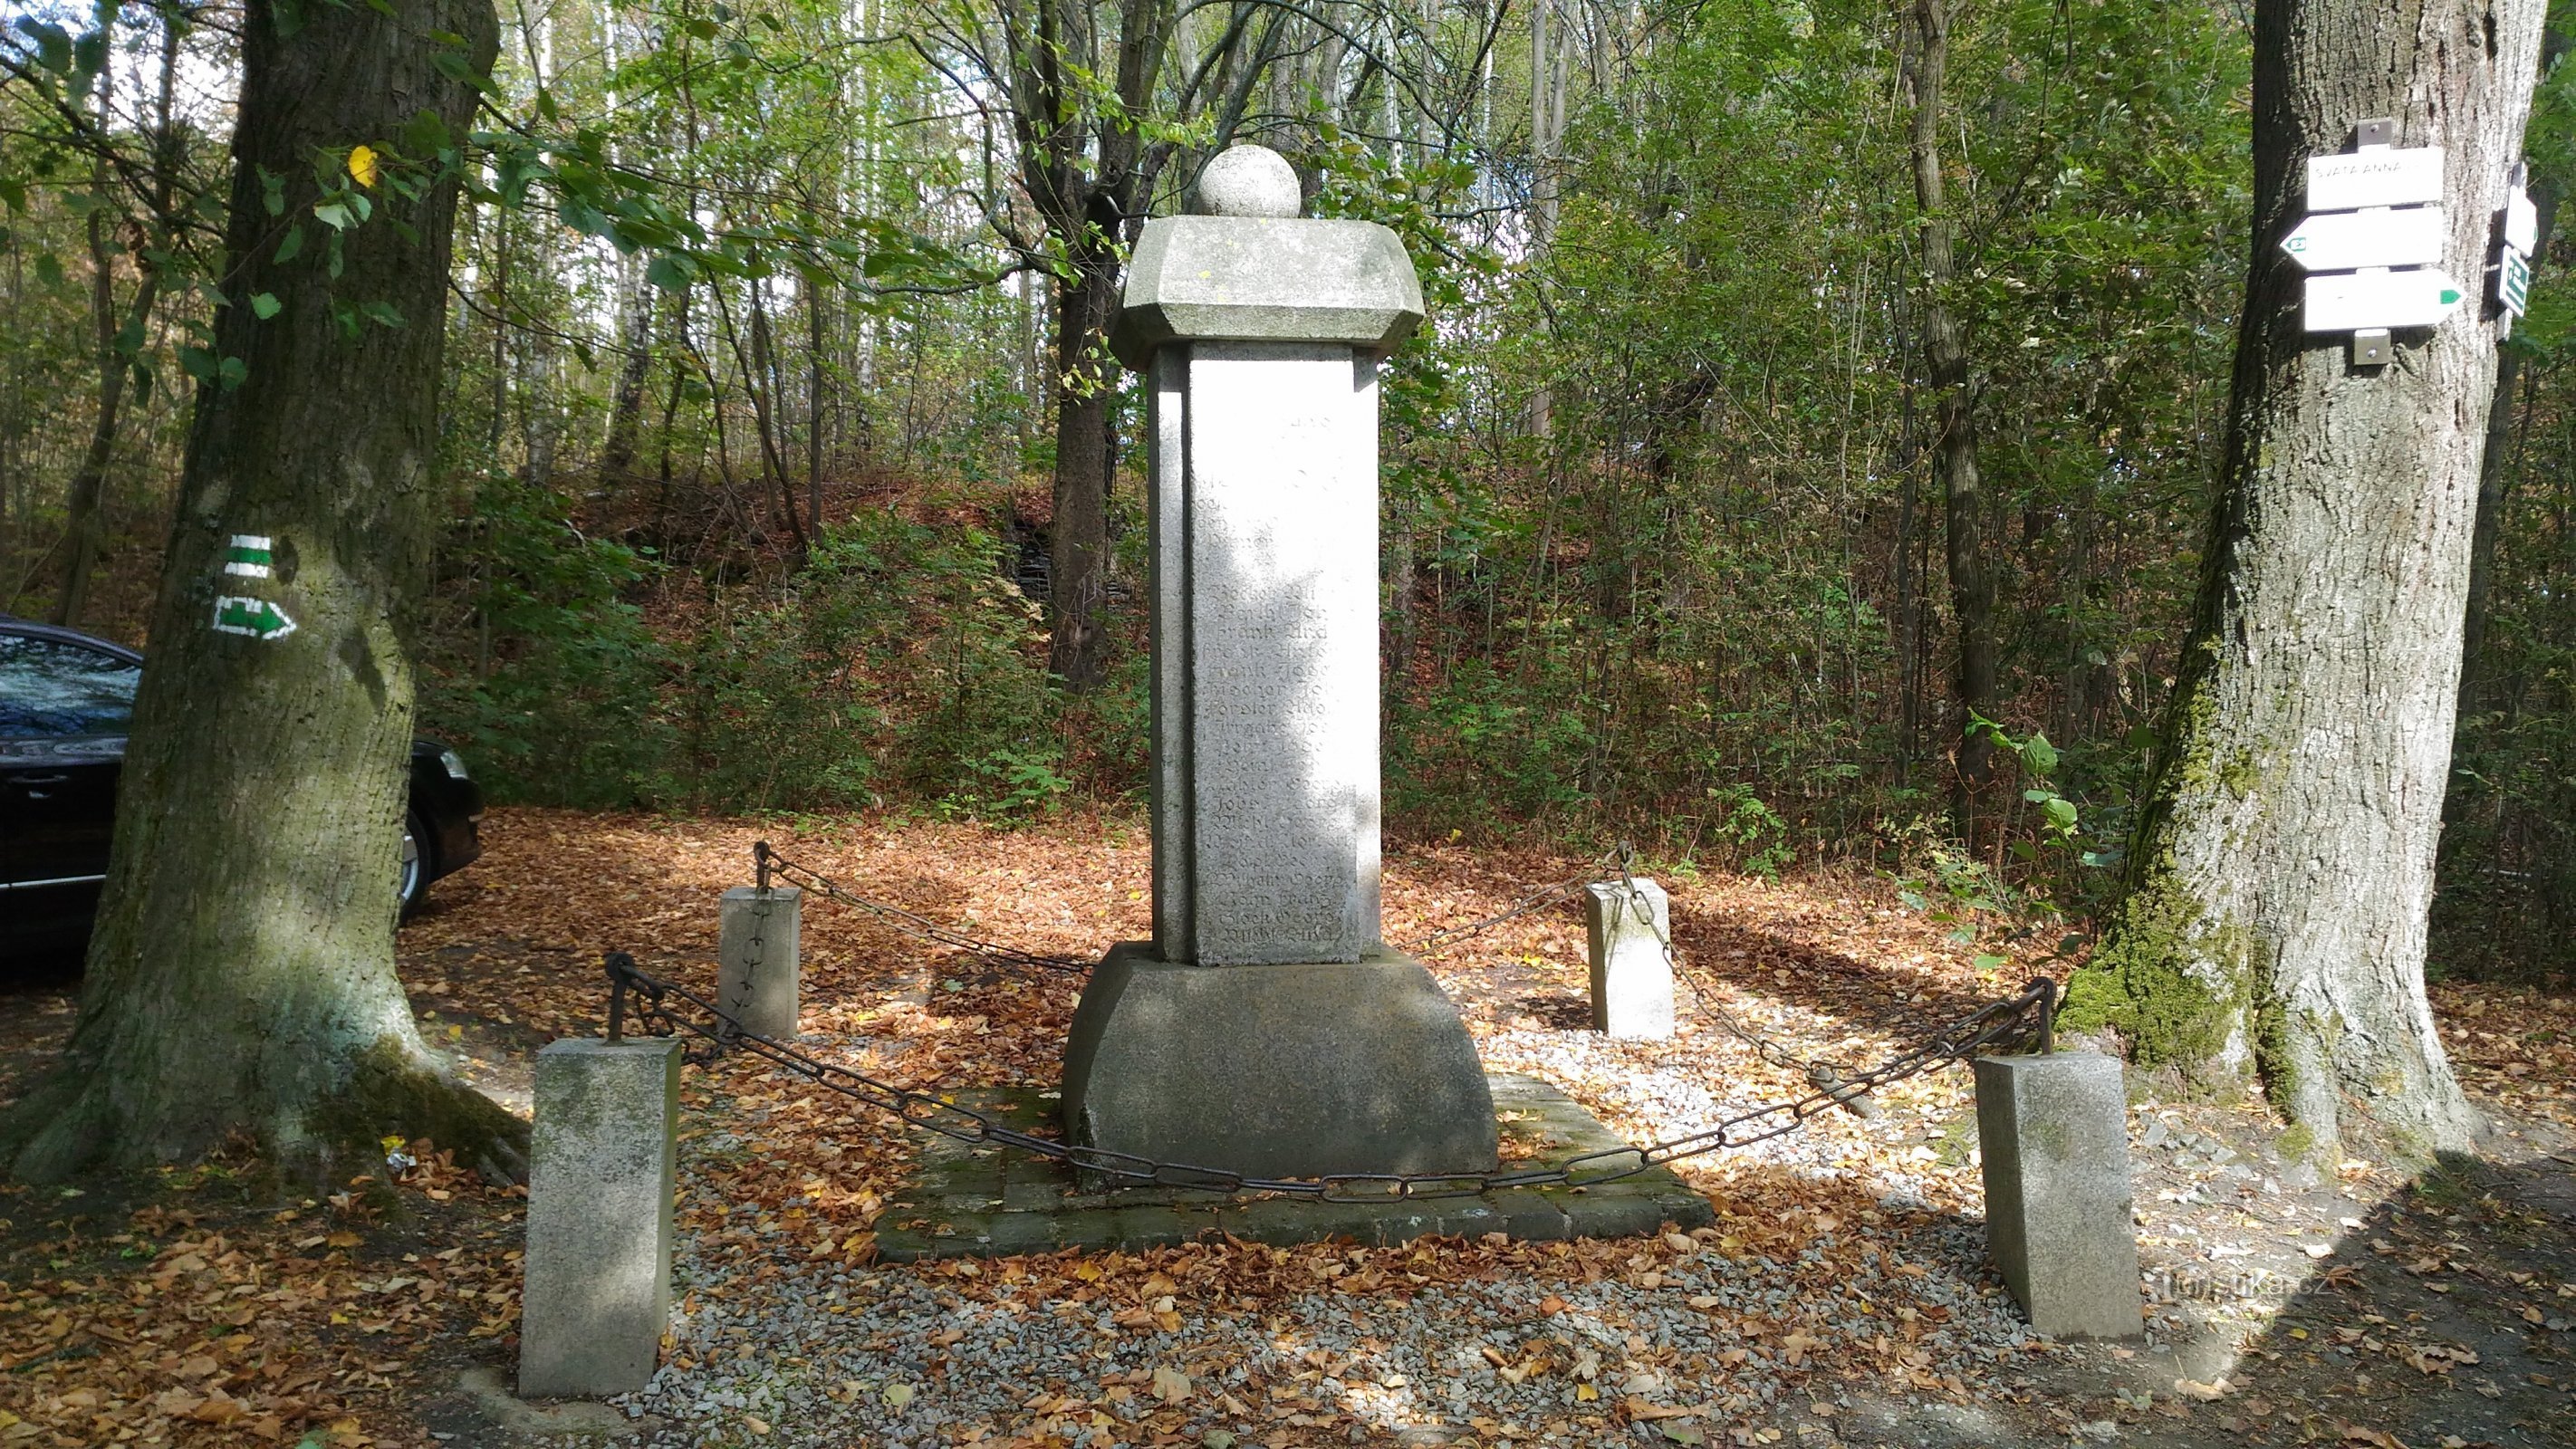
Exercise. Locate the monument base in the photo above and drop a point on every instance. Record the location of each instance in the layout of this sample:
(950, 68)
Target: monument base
(1277, 1071)
(978, 1200)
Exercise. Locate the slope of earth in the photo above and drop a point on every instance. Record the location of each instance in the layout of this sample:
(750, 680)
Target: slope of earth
(1841, 1298)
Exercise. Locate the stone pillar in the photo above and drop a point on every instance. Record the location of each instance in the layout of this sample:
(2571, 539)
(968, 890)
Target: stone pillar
(1266, 1028)
(1632, 973)
(756, 965)
(2054, 1134)
(602, 1168)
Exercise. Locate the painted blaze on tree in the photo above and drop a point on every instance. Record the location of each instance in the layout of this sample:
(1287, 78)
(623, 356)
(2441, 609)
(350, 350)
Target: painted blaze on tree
(241, 976)
(2282, 872)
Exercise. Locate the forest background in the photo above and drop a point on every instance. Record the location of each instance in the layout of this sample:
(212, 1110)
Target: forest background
(769, 323)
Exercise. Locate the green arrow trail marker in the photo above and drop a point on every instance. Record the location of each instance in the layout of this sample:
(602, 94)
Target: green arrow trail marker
(247, 556)
(251, 618)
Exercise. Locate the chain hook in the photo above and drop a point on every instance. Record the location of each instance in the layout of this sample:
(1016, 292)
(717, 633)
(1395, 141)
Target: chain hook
(761, 856)
(618, 965)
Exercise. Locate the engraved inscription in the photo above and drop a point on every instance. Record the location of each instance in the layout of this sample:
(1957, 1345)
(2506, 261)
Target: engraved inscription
(1282, 671)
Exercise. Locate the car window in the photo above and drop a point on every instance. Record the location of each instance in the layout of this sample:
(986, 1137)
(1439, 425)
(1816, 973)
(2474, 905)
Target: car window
(48, 687)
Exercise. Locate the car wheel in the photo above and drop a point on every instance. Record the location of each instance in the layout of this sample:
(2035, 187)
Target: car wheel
(411, 879)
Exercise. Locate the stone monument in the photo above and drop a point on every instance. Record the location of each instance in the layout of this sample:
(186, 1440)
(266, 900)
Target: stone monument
(1266, 1029)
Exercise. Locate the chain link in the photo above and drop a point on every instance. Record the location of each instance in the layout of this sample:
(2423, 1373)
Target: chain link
(1538, 900)
(664, 1009)
(770, 862)
(1824, 1073)
(1618, 864)
(920, 927)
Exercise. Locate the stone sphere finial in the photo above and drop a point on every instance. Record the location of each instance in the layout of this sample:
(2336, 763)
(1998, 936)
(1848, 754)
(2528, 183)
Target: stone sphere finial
(1250, 180)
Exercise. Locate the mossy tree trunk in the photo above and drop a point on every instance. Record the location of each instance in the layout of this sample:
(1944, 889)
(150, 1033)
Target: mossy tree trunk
(2281, 875)
(241, 978)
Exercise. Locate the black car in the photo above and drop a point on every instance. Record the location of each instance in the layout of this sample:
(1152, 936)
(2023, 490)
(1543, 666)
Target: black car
(66, 699)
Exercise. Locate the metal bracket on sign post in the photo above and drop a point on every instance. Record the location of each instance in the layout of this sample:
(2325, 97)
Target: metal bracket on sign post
(2376, 132)
(2370, 347)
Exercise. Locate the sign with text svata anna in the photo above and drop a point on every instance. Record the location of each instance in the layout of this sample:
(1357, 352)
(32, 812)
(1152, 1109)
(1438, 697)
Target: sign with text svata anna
(2380, 176)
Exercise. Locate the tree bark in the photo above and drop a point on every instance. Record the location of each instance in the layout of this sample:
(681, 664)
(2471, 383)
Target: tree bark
(241, 977)
(87, 502)
(1078, 537)
(626, 405)
(2495, 487)
(1086, 169)
(2495, 483)
(1954, 446)
(87, 524)
(2282, 872)
(814, 409)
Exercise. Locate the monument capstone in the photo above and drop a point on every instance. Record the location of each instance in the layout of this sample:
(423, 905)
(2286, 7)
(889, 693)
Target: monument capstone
(1266, 1029)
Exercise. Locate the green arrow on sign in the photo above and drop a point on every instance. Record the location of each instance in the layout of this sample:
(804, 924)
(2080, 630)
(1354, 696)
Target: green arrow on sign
(252, 618)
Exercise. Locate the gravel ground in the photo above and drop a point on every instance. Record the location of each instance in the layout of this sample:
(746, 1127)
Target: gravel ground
(1832, 1305)
(901, 1358)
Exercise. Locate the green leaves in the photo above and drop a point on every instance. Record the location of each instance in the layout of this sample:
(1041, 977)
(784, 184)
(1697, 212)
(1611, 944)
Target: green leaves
(53, 44)
(670, 272)
(206, 367)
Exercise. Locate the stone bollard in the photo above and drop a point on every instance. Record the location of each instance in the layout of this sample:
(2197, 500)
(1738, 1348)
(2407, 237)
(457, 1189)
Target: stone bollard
(1632, 974)
(2054, 1132)
(602, 1170)
(756, 967)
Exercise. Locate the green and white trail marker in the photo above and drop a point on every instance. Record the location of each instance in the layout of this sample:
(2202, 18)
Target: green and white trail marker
(248, 556)
(2409, 297)
(2513, 281)
(251, 618)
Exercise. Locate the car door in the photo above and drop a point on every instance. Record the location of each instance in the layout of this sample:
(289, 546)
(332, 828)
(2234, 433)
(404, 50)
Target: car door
(65, 706)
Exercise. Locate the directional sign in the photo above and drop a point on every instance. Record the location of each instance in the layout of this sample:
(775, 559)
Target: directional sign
(2382, 176)
(2513, 281)
(2521, 222)
(248, 556)
(2418, 297)
(253, 618)
(2338, 241)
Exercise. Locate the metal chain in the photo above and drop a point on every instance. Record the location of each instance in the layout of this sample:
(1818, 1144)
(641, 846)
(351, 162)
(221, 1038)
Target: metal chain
(1823, 1073)
(1537, 900)
(770, 863)
(665, 1009)
(1617, 864)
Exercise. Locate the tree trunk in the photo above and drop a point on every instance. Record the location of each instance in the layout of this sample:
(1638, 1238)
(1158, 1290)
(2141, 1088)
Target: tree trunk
(626, 406)
(2494, 481)
(87, 503)
(2495, 486)
(241, 977)
(2283, 869)
(1954, 447)
(814, 404)
(1078, 537)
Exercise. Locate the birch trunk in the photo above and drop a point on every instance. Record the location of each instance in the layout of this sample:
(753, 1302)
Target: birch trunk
(241, 977)
(2280, 879)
